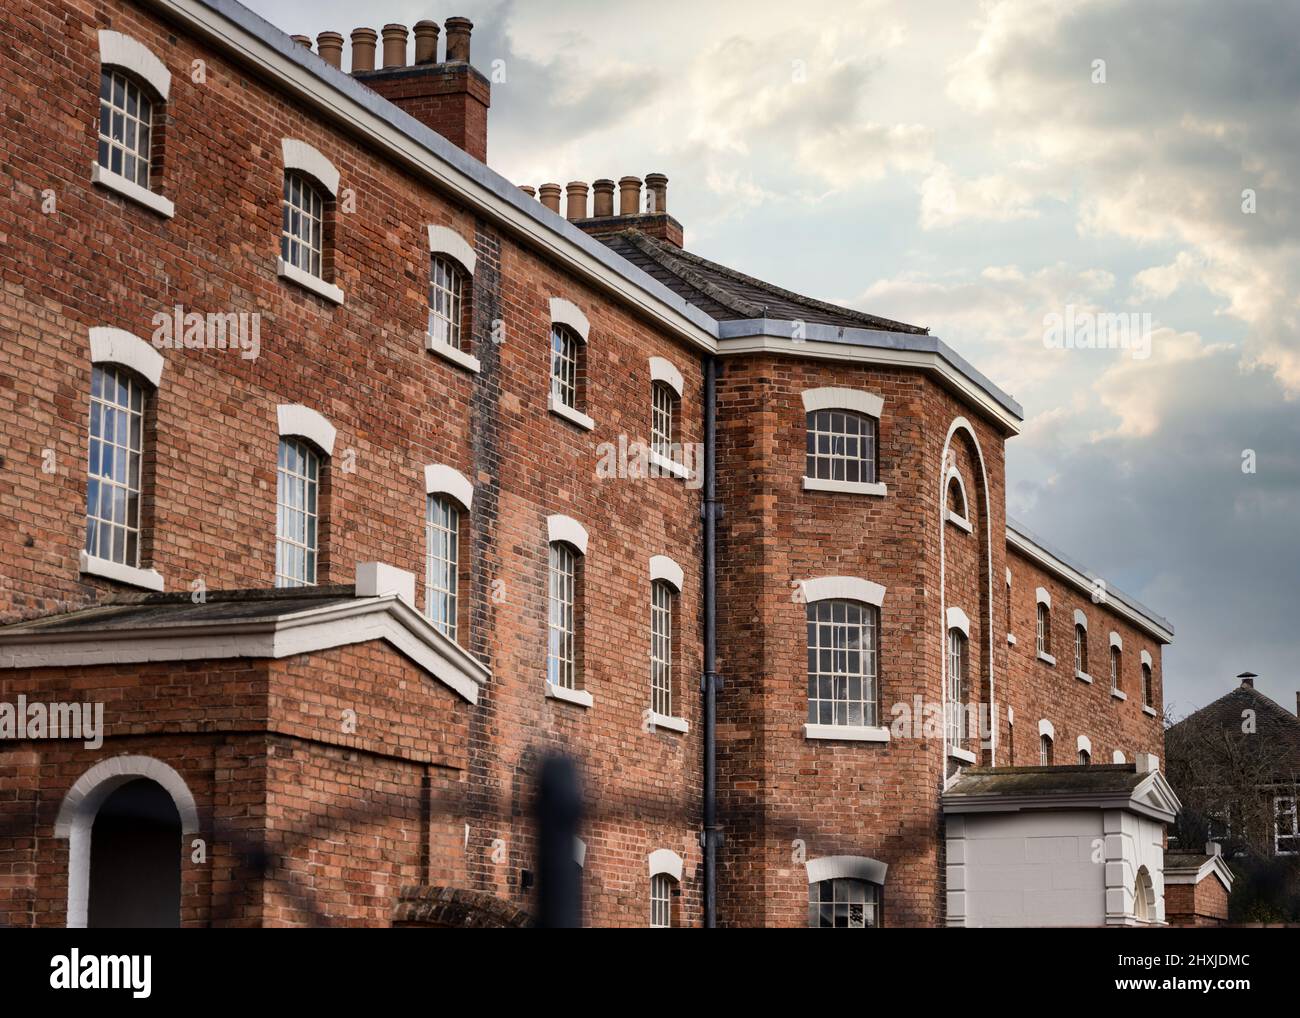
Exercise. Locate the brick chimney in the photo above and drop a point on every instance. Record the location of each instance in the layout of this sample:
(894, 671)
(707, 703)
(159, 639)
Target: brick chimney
(450, 96)
(648, 214)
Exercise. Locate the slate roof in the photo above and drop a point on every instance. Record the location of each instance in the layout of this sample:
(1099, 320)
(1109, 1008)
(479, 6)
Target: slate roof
(725, 294)
(1276, 727)
(1084, 779)
(130, 611)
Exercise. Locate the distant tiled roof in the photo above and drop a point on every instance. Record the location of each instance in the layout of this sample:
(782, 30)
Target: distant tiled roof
(725, 294)
(1276, 728)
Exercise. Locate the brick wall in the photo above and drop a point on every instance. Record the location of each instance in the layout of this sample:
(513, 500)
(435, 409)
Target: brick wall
(99, 260)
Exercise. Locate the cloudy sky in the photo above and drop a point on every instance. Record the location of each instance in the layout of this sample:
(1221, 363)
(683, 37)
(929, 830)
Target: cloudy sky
(963, 166)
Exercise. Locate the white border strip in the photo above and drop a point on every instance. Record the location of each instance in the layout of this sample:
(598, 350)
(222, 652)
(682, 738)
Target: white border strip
(565, 528)
(297, 421)
(117, 346)
(847, 588)
(118, 50)
(300, 156)
(446, 241)
(843, 399)
(440, 479)
(663, 370)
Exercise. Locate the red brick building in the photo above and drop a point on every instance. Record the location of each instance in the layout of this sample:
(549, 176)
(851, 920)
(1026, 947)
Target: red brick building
(350, 479)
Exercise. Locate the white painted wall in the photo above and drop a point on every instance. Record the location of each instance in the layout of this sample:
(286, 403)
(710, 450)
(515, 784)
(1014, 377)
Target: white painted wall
(1026, 869)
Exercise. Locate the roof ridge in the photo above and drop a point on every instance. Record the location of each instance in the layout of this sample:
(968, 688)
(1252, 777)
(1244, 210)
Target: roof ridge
(874, 321)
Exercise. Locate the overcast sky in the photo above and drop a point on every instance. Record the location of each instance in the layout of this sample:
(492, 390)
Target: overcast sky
(957, 165)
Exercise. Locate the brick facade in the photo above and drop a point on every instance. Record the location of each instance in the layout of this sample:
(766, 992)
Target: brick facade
(424, 808)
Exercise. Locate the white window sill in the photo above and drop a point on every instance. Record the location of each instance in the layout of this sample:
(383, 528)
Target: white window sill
(668, 466)
(576, 696)
(1082, 676)
(1119, 694)
(450, 353)
(149, 579)
(876, 488)
(847, 733)
(960, 522)
(671, 723)
(130, 189)
(569, 414)
(307, 281)
(1147, 709)
(1011, 639)
(964, 755)
(1047, 658)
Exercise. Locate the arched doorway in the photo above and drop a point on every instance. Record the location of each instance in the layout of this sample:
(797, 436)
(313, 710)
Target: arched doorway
(136, 819)
(135, 859)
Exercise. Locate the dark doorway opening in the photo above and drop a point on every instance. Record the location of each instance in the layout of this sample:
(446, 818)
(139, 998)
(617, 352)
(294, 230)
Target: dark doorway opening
(135, 859)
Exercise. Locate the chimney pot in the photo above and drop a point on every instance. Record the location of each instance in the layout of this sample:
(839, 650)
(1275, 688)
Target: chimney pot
(550, 196)
(658, 197)
(1248, 679)
(363, 49)
(395, 45)
(302, 40)
(529, 190)
(629, 196)
(330, 47)
(458, 30)
(577, 191)
(426, 42)
(603, 200)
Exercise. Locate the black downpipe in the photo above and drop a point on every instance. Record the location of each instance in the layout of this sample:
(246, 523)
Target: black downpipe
(711, 681)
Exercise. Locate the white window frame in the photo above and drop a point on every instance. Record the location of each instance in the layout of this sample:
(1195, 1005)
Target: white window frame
(301, 423)
(1043, 627)
(665, 868)
(665, 575)
(1278, 816)
(846, 867)
(959, 520)
(310, 543)
(851, 401)
(314, 169)
(442, 523)
(568, 318)
(869, 596)
(447, 244)
(565, 537)
(124, 54)
(117, 348)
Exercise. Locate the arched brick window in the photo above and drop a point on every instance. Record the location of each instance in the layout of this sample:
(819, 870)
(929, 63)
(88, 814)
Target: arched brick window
(133, 89)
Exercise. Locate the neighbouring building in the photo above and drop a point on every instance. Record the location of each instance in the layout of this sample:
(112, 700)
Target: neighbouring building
(1236, 763)
(350, 479)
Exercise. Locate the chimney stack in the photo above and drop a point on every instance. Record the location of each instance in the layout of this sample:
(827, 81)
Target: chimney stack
(550, 195)
(603, 201)
(426, 42)
(629, 196)
(394, 46)
(657, 184)
(330, 47)
(450, 97)
(1248, 679)
(577, 191)
(363, 49)
(653, 220)
(458, 30)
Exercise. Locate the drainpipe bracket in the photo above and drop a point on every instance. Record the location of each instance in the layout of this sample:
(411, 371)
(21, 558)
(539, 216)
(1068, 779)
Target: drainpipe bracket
(717, 680)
